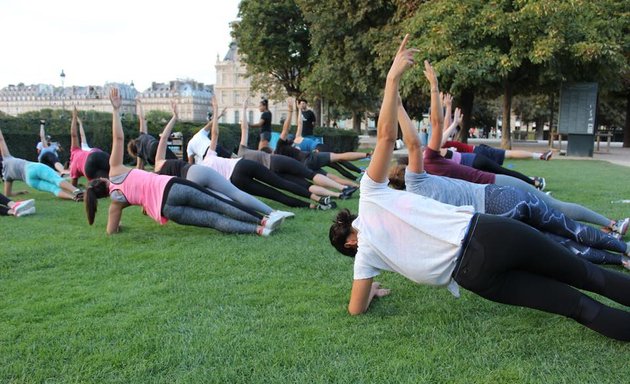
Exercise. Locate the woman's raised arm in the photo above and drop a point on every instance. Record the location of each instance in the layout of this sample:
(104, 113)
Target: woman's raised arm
(160, 153)
(214, 133)
(412, 142)
(437, 113)
(286, 127)
(388, 120)
(116, 166)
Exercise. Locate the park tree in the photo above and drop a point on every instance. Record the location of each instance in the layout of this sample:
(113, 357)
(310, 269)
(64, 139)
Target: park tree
(503, 46)
(274, 42)
(345, 37)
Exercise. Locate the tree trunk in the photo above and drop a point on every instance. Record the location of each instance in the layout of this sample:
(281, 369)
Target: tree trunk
(467, 99)
(506, 124)
(317, 110)
(356, 122)
(552, 103)
(540, 128)
(626, 129)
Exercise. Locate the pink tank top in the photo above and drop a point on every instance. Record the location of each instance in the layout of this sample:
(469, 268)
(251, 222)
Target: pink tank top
(78, 157)
(145, 189)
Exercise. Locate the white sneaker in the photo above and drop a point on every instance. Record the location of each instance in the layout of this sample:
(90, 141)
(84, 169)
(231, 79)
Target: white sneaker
(272, 221)
(264, 231)
(21, 206)
(26, 212)
(285, 214)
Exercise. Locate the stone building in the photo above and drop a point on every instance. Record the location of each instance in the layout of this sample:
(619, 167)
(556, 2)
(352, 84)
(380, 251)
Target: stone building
(232, 87)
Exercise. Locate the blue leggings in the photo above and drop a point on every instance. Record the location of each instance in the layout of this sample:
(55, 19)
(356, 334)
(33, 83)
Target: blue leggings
(529, 208)
(43, 178)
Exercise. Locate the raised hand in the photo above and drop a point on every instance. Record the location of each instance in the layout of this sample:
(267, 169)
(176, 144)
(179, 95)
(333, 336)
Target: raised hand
(174, 108)
(447, 101)
(114, 97)
(75, 113)
(290, 103)
(429, 73)
(457, 119)
(403, 60)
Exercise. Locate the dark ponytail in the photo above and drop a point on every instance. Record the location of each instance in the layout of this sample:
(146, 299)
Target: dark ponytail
(96, 189)
(397, 176)
(340, 230)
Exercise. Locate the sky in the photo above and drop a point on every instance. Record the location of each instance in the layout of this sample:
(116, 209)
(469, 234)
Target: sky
(95, 42)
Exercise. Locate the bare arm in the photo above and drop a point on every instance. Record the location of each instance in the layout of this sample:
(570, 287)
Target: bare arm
(447, 100)
(74, 138)
(160, 155)
(286, 127)
(82, 131)
(298, 121)
(4, 149)
(214, 133)
(116, 166)
(244, 125)
(412, 142)
(42, 135)
(142, 124)
(362, 294)
(114, 216)
(436, 108)
(388, 120)
(456, 121)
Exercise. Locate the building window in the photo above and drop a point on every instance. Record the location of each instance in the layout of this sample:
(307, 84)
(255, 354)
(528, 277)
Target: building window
(237, 116)
(250, 117)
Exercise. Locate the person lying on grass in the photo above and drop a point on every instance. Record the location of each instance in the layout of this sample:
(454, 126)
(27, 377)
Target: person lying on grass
(163, 197)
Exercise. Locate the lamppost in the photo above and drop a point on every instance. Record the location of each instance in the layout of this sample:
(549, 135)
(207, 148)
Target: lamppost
(63, 98)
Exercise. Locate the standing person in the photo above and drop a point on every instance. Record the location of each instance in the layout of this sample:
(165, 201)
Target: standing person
(90, 162)
(503, 201)
(143, 148)
(47, 151)
(264, 124)
(432, 243)
(9, 207)
(307, 116)
(35, 175)
(162, 197)
(289, 168)
(208, 178)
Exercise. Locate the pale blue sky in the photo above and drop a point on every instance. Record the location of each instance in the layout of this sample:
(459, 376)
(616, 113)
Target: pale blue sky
(114, 40)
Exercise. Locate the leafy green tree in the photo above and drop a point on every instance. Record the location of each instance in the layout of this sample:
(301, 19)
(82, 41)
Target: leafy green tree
(497, 47)
(273, 39)
(344, 38)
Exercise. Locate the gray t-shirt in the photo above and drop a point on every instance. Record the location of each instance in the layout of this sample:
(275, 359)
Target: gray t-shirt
(14, 169)
(261, 157)
(446, 190)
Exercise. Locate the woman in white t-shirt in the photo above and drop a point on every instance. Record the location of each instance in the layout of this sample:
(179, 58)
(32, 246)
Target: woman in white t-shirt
(433, 243)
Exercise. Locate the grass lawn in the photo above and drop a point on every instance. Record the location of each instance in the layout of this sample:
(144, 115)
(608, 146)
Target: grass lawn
(183, 304)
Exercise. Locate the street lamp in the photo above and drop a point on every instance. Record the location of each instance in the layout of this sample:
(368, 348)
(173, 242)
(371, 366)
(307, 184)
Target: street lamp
(63, 99)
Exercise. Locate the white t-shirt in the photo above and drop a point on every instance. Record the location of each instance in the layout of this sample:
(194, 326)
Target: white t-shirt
(197, 145)
(402, 232)
(223, 166)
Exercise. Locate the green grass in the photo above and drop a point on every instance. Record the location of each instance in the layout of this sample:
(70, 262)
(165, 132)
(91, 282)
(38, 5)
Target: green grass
(182, 304)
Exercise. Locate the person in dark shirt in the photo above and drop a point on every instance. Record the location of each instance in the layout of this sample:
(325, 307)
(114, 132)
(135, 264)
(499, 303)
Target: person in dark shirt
(264, 124)
(308, 118)
(144, 147)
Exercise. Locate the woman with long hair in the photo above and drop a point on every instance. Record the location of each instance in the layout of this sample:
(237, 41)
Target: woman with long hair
(429, 242)
(162, 197)
(85, 161)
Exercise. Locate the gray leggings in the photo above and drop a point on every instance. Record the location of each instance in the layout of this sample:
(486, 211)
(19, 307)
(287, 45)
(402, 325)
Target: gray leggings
(571, 210)
(209, 178)
(188, 204)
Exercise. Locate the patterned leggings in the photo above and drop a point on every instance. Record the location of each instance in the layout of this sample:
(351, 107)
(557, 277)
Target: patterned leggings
(528, 208)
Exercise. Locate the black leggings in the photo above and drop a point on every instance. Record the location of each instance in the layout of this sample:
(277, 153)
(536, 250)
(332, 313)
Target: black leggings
(249, 177)
(287, 165)
(482, 163)
(4, 205)
(509, 262)
(340, 166)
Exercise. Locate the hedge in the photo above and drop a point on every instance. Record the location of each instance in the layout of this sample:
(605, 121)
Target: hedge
(22, 134)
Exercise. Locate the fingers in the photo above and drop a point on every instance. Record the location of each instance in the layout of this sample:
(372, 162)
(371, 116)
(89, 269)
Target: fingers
(403, 44)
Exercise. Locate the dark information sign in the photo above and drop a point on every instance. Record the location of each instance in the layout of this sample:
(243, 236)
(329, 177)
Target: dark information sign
(578, 103)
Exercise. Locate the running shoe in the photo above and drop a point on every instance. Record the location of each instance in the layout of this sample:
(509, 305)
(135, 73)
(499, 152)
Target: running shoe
(326, 207)
(348, 191)
(547, 155)
(272, 221)
(621, 226)
(325, 200)
(23, 205)
(285, 214)
(26, 212)
(540, 183)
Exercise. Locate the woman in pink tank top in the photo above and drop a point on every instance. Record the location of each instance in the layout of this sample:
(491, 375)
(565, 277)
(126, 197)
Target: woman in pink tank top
(164, 197)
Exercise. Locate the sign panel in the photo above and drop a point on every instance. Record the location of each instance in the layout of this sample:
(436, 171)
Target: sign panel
(578, 104)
